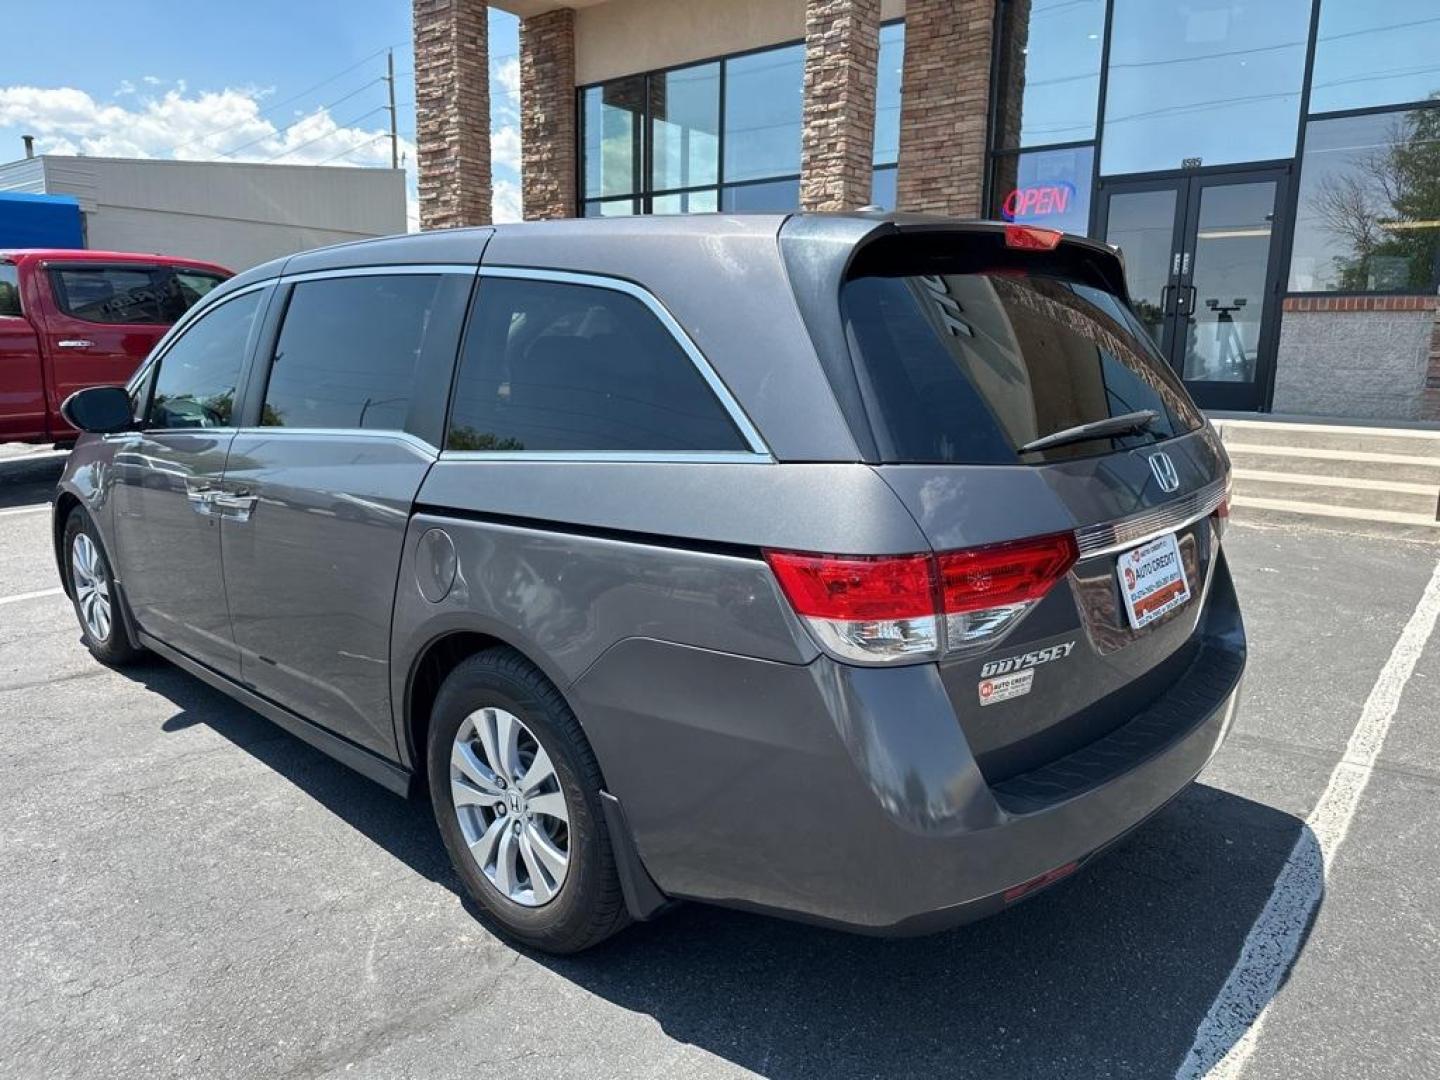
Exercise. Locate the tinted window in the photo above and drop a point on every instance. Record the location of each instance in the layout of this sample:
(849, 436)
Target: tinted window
(763, 101)
(968, 367)
(1368, 216)
(1049, 72)
(9, 289)
(148, 295)
(1211, 80)
(199, 373)
(1375, 54)
(348, 350)
(774, 196)
(571, 367)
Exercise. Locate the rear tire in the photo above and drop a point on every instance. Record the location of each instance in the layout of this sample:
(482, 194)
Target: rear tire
(93, 593)
(506, 834)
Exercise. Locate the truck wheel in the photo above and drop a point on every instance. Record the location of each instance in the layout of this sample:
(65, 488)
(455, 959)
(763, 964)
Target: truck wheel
(516, 793)
(92, 591)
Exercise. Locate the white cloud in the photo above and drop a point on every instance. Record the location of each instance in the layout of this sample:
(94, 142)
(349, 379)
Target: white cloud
(505, 147)
(125, 87)
(224, 125)
(153, 80)
(507, 74)
(505, 201)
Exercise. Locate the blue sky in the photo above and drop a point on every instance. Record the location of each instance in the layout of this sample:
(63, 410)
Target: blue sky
(230, 82)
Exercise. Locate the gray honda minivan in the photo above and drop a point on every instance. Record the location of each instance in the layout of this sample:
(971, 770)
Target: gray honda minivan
(862, 568)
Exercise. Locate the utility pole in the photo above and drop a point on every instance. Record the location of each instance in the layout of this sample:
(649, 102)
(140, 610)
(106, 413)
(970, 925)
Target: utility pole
(394, 130)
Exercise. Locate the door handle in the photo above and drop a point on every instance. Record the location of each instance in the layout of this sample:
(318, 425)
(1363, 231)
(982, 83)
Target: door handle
(75, 343)
(241, 505)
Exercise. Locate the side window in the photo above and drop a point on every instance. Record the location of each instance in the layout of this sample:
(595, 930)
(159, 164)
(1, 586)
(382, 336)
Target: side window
(349, 349)
(550, 366)
(195, 387)
(9, 290)
(129, 295)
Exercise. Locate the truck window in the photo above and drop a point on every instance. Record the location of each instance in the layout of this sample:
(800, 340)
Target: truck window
(9, 290)
(129, 295)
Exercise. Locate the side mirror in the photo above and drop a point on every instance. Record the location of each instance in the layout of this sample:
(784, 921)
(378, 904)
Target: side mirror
(101, 409)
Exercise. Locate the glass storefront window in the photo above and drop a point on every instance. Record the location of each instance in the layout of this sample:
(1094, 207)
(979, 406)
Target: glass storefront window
(611, 207)
(614, 137)
(685, 127)
(763, 99)
(887, 94)
(1375, 54)
(1368, 213)
(882, 186)
(777, 196)
(684, 202)
(1202, 82)
(1045, 187)
(1049, 80)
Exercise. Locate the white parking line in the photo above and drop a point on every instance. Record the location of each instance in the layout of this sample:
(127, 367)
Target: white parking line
(25, 510)
(30, 596)
(1228, 1035)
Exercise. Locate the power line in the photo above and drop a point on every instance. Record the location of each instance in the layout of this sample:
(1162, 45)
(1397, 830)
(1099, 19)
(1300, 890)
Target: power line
(308, 116)
(286, 101)
(359, 146)
(326, 135)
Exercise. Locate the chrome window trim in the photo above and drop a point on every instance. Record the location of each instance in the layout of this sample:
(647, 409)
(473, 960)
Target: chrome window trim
(758, 449)
(176, 332)
(1110, 537)
(697, 457)
(386, 434)
(377, 271)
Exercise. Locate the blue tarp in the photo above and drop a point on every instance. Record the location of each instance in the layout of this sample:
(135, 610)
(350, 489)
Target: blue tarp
(39, 221)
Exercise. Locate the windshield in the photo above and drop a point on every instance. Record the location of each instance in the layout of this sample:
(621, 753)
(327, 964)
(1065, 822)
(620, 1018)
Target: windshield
(967, 368)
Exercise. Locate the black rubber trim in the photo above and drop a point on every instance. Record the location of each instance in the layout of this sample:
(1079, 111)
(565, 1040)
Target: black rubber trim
(643, 898)
(598, 532)
(1193, 699)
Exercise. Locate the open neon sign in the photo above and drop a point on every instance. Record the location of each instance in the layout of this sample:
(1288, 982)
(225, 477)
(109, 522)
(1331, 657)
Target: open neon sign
(1037, 200)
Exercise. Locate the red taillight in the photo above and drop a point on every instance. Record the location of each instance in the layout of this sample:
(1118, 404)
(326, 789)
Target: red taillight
(884, 609)
(988, 577)
(1032, 238)
(855, 587)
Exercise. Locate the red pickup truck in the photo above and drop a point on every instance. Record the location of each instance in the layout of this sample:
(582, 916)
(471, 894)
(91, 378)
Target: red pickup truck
(71, 319)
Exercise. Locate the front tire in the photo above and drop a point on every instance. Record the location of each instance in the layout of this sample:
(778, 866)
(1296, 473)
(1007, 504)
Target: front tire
(516, 793)
(93, 593)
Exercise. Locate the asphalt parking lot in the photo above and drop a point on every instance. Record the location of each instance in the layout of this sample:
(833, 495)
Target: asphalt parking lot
(186, 890)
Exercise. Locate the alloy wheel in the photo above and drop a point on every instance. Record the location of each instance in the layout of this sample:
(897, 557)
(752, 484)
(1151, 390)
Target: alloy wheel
(92, 586)
(511, 810)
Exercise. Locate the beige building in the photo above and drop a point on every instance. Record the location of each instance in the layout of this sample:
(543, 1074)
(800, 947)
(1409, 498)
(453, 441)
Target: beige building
(1271, 171)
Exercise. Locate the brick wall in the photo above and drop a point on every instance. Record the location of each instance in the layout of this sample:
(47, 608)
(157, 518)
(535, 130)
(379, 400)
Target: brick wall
(452, 112)
(547, 114)
(944, 106)
(837, 148)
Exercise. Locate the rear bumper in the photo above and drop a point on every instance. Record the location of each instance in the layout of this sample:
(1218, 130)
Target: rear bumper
(848, 796)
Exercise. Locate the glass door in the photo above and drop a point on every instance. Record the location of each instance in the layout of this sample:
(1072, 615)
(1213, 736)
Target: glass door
(1200, 260)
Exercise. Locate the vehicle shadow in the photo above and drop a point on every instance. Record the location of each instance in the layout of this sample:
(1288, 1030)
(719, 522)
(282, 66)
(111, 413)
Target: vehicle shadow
(29, 479)
(1107, 974)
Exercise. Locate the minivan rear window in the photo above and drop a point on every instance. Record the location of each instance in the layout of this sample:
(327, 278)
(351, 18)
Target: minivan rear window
(967, 368)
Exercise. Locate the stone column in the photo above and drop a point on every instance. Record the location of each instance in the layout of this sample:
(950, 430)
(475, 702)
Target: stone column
(944, 107)
(842, 44)
(452, 112)
(547, 114)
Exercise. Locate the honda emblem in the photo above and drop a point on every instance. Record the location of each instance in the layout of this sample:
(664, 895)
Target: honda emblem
(1164, 470)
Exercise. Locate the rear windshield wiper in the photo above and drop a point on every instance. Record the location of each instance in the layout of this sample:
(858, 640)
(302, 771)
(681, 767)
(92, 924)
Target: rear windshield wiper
(1124, 424)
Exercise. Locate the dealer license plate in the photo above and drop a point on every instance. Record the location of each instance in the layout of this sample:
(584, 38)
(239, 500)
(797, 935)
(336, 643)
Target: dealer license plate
(1152, 580)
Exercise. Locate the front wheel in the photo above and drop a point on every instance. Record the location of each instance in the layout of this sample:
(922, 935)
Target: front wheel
(92, 591)
(516, 793)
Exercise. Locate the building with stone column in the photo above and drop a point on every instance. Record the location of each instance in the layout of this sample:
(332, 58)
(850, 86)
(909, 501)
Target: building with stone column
(1271, 172)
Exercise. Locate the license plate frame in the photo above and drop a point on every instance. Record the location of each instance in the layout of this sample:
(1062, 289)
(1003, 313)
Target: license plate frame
(1152, 580)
